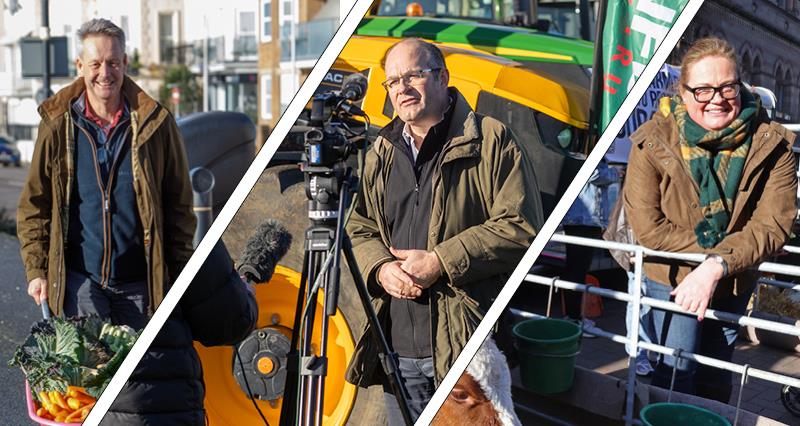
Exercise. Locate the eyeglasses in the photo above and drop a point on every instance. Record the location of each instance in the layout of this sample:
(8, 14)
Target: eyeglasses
(411, 78)
(707, 93)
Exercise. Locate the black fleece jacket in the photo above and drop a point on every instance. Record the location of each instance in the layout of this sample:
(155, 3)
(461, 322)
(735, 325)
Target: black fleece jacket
(166, 388)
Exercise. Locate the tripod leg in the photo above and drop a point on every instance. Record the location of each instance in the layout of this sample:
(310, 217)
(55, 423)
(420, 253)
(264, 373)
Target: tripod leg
(389, 358)
(289, 407)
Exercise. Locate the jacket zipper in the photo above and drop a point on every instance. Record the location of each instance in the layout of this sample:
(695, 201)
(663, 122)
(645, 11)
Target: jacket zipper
(105, 194)
(408, 303)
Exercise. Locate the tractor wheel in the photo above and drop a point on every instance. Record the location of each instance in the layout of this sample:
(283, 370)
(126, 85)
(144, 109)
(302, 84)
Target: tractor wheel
(280, 194)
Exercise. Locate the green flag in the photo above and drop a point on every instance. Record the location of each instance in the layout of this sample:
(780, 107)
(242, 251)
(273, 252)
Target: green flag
(632, 32)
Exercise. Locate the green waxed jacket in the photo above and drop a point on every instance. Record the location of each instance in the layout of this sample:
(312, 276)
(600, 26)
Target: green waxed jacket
(486, 211)
(160, 181)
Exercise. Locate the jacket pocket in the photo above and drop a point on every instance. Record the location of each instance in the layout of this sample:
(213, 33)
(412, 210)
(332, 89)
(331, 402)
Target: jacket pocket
(471, 316)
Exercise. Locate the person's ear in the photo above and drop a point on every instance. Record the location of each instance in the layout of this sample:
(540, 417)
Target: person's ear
(79, 66)
(686, 96)
(445, 77)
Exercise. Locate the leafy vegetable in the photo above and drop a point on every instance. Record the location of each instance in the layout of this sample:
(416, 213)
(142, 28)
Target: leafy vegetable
(83, 351)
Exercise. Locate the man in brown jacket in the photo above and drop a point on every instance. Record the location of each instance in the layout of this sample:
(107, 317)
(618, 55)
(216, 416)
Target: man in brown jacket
(448, 206)
(104, 220)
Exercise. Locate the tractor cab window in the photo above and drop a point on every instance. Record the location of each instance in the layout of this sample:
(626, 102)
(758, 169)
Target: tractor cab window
(529, 125)
(476, 9)
(545, 141)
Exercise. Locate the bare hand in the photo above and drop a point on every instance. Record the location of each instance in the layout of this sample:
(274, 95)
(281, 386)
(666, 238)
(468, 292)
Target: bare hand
(37, 289)
(397, 282)
(695, 291)
(423, 266)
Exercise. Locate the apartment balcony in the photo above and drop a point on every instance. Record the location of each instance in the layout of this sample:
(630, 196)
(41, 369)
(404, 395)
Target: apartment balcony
(245, 46)
(311, 39)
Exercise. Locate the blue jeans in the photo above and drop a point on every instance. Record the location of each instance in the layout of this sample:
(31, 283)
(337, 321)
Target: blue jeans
(417, 377)
(647, 331)
(709, 337)
(121, 303)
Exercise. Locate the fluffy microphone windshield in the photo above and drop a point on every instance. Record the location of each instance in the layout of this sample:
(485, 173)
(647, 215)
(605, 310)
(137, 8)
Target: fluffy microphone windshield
(264, 249)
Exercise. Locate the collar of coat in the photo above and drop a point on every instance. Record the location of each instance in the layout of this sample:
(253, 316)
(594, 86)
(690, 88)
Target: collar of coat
(662, 130)
(145, 111)
(463, 135)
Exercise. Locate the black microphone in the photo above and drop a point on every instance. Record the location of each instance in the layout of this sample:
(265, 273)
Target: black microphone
(264, 249)
(354, 87)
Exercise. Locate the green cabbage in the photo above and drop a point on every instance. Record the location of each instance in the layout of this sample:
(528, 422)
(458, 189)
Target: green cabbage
(82, 351)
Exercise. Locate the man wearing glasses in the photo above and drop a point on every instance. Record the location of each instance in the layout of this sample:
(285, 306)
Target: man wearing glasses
(104, 220)
(447, 208)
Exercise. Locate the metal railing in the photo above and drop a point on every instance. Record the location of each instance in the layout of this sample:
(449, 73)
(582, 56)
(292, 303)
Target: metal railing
(637, 300)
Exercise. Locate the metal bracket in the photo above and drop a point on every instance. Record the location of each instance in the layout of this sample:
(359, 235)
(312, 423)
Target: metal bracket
(313, 366)
(550, 295)
(741, 391)
(677, 354)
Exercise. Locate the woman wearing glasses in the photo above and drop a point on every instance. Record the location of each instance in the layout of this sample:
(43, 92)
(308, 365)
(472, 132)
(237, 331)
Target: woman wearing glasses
(713, 176)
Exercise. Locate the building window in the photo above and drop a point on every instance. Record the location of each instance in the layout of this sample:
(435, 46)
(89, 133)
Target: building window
(244, 44)
(123, 23)
(166, 37)
(286, 14)
(266, 21)
(266, 97)
(288, 89)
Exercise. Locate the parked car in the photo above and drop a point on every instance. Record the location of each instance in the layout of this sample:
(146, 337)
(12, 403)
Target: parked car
(9, 154)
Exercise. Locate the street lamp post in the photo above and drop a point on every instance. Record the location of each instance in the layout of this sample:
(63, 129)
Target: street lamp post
(205, 62)
(44, 33)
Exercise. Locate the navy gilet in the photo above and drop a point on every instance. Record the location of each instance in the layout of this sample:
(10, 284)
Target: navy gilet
(105, 237)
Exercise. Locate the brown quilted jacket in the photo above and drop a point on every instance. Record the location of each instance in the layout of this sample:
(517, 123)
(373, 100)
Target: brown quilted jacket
(662, 203)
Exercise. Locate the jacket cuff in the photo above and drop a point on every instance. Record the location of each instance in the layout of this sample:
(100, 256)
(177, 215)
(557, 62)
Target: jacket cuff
(32, 274)
(454, 258)
(371, 255)
(732, 261)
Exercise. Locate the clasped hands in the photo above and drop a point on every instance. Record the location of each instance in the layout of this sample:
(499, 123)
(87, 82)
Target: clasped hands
(694, 293)
(411, 272)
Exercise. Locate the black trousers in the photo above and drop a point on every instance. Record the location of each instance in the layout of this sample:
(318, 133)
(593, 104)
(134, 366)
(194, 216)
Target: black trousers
(124, 304)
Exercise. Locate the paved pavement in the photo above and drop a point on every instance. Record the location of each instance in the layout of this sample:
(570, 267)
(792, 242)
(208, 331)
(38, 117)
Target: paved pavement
(17, 310)
(18, 314)
(759, 397)
(11, 181)
(607, 357)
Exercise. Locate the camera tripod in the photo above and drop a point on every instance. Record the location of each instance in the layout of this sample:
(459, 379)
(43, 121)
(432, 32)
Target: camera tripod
(325, 241)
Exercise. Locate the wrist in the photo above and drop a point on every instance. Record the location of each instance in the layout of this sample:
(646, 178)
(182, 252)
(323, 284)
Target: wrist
(718, 265)
(438, 262)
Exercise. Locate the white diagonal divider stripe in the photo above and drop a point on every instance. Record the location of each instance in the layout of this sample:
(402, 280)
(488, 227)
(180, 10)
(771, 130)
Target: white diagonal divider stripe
(559, 211)
(231, 207)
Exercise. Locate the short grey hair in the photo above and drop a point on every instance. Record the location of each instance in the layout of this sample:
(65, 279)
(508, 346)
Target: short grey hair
(100, 26)
(429, 51)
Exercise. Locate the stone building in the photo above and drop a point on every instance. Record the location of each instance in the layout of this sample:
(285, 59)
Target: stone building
(766, 35)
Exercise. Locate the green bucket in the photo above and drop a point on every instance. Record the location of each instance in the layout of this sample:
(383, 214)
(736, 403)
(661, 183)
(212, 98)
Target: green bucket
(547, 348)
(668, 414)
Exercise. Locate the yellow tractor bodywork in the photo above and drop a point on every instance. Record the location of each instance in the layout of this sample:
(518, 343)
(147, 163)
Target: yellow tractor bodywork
(471, 71)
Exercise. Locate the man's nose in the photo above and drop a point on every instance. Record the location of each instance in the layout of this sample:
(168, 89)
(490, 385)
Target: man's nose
(403, 85)
(104, 69)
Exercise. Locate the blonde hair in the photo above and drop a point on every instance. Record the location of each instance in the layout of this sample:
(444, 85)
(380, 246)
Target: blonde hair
(704, 48)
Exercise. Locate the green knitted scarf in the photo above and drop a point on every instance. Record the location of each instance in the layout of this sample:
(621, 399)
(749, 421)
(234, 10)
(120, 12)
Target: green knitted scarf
(716, 161)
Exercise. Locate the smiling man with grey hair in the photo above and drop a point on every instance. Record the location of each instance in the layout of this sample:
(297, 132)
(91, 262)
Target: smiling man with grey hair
(104, 220)
(447, 208)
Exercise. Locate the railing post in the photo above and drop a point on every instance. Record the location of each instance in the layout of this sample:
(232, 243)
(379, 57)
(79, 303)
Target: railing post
(633, 336)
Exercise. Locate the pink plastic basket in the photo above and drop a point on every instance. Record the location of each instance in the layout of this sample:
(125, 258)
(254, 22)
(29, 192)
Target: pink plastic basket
(32, 411)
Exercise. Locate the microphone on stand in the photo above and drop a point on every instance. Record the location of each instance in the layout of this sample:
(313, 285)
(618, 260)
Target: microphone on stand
(264, 249)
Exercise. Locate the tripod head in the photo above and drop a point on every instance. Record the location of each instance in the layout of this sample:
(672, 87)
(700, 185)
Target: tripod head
(328, 144)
